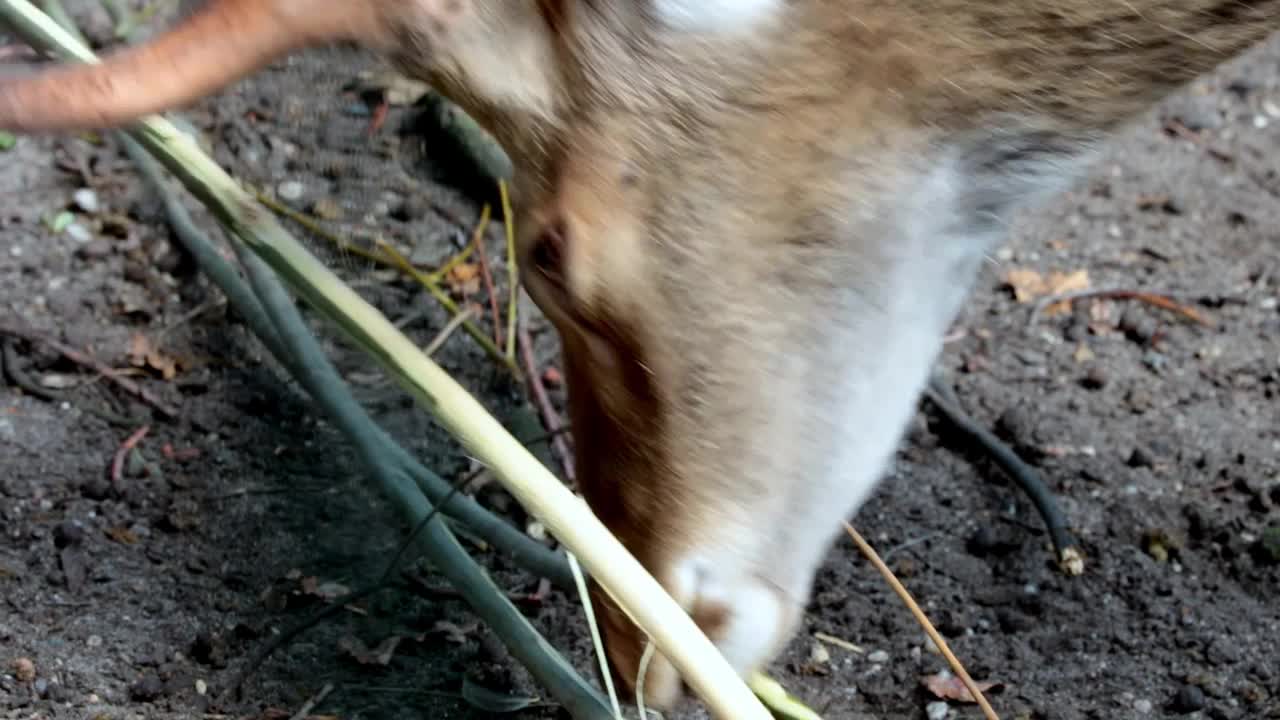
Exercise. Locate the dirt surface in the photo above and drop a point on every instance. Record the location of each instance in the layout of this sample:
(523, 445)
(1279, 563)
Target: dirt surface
(142, 596)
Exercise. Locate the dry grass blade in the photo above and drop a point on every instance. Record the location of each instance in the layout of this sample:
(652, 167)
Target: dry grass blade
(388, 257)
(933, 634)
(513, 272)
(430, 285)
(315, 228)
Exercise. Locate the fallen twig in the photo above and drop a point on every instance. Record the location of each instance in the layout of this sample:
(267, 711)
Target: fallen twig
(390, 258)
(9, 361)
(1070, 559)
(443, 336)
(305, 711)
(117, 462)
(432, 286)
(80, 358)
(333, 608)
(550, 418)
(478, 240)
(287, 635)
(1163, 300)
(921, 618)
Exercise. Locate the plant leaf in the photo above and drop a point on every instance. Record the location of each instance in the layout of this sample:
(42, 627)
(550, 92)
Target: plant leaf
(492, 701)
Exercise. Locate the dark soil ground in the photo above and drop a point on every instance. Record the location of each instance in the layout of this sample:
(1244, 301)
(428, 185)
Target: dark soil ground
(143, 598)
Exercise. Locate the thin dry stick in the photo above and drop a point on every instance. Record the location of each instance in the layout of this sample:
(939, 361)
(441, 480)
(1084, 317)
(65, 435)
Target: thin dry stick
(550, 418)
(117, 462)
(513, 272)
(439, 340)
(453, 262)
(889, 577)
(1163, 300)
(305, 711)
(448, 304)
(316, 229)
(486, 275)
(640, 673)
(80, 358)
(392, 259)
(596, 640)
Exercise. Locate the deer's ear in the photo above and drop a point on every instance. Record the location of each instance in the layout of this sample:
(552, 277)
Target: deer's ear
(714, 15)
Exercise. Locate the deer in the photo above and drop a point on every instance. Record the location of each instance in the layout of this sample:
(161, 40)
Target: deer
(751, 223)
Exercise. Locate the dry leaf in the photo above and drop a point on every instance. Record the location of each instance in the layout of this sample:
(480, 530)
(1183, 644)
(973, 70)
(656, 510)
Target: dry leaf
(1060, 283)
(464, 279)
(122, 536)
(453, 632)
(143, 354)
(139, 348)
(946, 686)
(380, 655)
(331, 591)
(1027, 284)
(818, 662)
(328, 591)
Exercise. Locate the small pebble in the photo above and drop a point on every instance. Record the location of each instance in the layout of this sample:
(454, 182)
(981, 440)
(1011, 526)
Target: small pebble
(94, 641)
(24, 669)
(1141, 458)
(1143, 706)
(1095, 379)
(86, 200)
(1189, 699)
(68, 533)
(291, 190)
(147, 689)
(79, 233)
(95, 250)
(1267, 550)
(536, 530)
(879, 657)
(96, 488)
(937, 710)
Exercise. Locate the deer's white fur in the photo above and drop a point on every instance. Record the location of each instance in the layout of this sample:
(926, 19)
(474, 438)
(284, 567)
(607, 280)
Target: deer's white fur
(715, 15)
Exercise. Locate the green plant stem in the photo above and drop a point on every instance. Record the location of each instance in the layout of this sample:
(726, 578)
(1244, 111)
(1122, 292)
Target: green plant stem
(331, 398)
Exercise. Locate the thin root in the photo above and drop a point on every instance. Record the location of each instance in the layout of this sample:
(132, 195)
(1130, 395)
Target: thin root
(1162, 300)
(921, 618)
